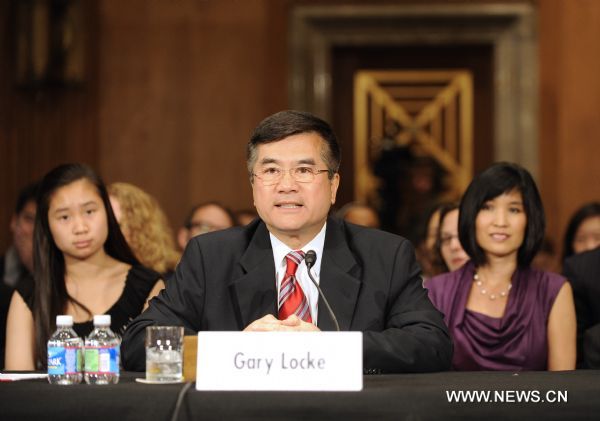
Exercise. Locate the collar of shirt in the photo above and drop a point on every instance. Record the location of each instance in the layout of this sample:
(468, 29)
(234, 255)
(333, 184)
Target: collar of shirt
(280, 250)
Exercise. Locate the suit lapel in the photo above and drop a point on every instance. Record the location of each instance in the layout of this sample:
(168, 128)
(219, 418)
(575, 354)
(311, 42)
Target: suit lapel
(339, 278)
(255, 290)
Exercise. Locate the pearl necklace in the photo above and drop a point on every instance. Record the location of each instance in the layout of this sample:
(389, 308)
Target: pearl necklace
(484, 291)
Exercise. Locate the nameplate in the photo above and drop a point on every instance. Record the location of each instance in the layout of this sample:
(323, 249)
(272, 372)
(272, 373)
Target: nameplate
(314, 361)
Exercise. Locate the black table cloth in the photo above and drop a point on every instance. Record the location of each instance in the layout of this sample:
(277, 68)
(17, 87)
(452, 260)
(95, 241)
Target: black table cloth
(397, 397)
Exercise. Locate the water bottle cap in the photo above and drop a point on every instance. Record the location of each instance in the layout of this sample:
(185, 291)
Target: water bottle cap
(102, 320)
(64, 320)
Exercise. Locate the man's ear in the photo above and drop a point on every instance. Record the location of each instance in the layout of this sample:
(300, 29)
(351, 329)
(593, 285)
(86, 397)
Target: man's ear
(335, 183)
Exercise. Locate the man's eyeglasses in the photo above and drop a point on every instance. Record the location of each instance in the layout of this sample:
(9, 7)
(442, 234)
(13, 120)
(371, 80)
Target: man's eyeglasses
(273, 175)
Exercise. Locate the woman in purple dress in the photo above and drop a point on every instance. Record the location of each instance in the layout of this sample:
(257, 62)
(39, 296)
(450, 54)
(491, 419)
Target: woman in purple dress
(502, 313)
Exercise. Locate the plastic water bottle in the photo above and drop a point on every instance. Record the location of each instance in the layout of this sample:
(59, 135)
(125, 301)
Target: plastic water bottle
(102, 353)
(64, 353)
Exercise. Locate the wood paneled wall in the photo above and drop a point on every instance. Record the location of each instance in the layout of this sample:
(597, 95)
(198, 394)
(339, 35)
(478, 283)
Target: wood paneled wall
(182, 88)
(41, 128)
(172, 93)
(569, 108)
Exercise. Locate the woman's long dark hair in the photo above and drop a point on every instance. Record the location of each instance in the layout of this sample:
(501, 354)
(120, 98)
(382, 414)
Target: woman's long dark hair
(51, 296)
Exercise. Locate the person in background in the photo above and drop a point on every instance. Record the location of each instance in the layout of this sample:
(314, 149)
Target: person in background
(145, 227)
(18, 260)
(359, 214)
(203, 218)
(545, 259)
(502, 313)
(255, 278)
(450, 252)
(245, 216)
(583, 230)
(82, 267)
(426, 247)
(583, 271)
(16, 265)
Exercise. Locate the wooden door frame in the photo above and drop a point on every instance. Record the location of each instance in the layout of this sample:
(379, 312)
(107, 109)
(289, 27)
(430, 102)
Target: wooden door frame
(511, 30)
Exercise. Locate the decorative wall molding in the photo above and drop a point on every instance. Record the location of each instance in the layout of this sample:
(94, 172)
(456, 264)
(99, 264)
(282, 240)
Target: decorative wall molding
(511, 30)
(432, 114)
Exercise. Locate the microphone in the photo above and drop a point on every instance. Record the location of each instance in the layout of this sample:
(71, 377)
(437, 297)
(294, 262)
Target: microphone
(310, 258)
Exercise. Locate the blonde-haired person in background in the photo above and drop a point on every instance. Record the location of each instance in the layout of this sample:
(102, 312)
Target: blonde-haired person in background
(145, 227)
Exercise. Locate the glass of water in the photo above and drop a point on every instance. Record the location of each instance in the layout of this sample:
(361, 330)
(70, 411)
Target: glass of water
(164, 354)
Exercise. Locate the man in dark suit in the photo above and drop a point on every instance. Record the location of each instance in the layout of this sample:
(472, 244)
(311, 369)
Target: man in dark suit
(583, 271)
(254, 278)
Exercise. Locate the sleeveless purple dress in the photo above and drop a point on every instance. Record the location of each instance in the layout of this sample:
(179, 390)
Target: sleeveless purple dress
(514, 342)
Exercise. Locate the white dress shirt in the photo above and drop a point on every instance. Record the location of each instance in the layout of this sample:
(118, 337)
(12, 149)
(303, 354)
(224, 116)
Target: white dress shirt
(280, 250)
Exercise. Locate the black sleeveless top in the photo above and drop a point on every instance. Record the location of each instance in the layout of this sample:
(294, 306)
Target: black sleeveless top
(138, 284)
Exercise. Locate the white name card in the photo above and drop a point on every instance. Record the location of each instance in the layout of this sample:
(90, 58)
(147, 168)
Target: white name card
(313, 361)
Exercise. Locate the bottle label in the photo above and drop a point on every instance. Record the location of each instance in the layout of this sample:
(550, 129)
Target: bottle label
(56, 360)
(64, 360)
(102, 360)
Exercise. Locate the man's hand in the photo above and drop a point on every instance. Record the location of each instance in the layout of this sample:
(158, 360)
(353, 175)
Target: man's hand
(269, 323)
(294, 323)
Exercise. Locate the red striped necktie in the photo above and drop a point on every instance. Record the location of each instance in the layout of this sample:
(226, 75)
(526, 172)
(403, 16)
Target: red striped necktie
(291, 298)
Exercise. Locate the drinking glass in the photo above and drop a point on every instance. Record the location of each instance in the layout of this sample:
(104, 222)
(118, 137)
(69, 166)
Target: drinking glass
(164, 354)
